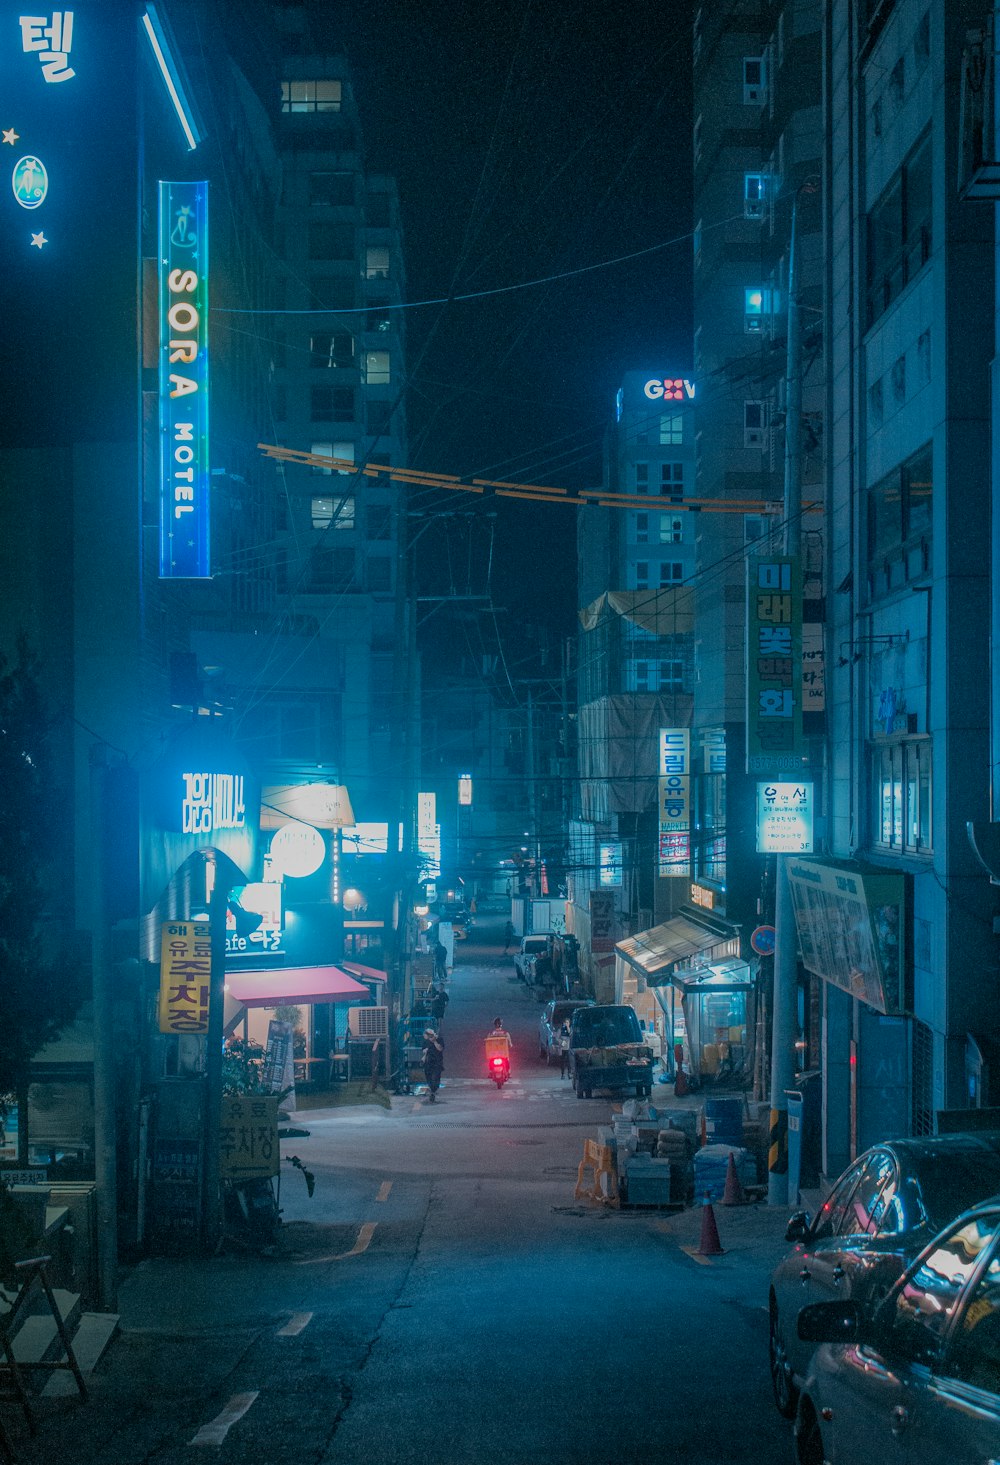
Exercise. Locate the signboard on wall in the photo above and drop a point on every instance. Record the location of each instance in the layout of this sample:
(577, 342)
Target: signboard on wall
(674, 793)
(185, 976)
(248, 1138)
(774, 666)
(851, 926)
(785, 818)
(609, 865)
(602, 920)
(183, 382)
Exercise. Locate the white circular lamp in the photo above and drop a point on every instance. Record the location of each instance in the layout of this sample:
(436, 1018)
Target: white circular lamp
(297, 850)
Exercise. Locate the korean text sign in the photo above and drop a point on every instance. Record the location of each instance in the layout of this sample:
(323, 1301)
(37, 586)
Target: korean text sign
(183, 382)
(785, 818)
(674, 790)
(185, 976)
(774, 666)
(248, 1137)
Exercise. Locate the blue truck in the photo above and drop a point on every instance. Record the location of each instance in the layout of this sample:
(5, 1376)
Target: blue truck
(607, 1051)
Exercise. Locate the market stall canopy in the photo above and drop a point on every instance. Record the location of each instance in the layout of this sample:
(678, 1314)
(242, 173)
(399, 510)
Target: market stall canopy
(656, 952)
(291, 986)
(323, 805)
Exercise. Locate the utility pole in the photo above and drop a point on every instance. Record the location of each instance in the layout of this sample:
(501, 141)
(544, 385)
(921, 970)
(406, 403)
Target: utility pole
(105, 1127)
(784, 1014)
(536, 881)
(212, 1210)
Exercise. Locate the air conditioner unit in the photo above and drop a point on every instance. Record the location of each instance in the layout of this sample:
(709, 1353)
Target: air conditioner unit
(368, 1022)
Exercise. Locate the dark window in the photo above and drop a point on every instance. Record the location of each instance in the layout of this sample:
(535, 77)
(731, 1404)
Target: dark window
(336, 292)
(332, 348)
(379, 316)
(379, 418)
(331, 570)
(321, 404)
(331, 188)
(331, 241)
(377, 213)
(899, 231)
(379, 573)
(379, 521)
(900, 508)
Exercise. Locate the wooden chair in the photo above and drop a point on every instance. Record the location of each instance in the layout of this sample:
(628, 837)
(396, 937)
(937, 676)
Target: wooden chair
(29, 1276)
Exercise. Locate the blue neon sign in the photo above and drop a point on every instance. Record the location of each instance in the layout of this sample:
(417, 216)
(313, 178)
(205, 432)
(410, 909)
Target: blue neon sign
(183, 382)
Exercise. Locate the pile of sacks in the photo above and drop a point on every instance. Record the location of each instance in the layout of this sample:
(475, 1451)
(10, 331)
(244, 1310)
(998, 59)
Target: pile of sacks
(674, 1145)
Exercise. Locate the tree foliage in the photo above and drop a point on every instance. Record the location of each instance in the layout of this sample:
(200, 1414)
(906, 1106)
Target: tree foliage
(40, 991)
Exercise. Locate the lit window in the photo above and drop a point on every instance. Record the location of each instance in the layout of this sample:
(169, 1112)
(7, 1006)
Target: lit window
(335, 513)
(901, 793)
(311, 96)
(671, 529)
(377, 368)
(333, 450)
(376, 262)
(322, 450)
(671, 429)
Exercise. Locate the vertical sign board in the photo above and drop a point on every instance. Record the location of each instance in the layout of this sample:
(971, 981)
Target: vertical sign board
(185, 976)
(609, 865)
(774, 666)
(183, 382)
(674, 791)
(602, 920)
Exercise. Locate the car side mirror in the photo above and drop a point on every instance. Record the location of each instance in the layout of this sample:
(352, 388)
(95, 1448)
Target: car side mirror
(832, 1322)
(798, 1226)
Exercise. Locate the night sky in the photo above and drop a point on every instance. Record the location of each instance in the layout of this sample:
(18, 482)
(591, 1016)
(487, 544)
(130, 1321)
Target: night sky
(528, 140)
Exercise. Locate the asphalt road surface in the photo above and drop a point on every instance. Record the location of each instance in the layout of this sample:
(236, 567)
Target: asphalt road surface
(444, 1299)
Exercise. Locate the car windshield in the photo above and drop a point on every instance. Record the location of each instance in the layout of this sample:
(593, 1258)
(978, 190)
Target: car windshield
(563, 1012)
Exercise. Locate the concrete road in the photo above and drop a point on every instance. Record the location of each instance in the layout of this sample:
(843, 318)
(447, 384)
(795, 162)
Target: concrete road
(444, 1298)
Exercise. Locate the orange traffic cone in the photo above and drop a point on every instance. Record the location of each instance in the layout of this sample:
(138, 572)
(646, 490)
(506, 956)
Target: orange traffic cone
(710, 1244)
(734, 1194)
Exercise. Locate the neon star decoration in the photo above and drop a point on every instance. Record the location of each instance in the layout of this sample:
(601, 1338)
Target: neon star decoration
(9, 135)
(37, 240)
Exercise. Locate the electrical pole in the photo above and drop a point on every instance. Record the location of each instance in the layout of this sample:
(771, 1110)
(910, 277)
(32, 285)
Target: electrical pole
(218, 901)
(105, 1126)
(784, 1014)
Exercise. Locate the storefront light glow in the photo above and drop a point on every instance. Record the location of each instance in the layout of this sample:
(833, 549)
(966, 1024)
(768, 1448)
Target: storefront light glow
(163, 53)
(298, 850)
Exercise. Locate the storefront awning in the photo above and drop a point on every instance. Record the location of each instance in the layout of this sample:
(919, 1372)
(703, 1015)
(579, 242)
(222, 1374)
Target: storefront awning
(293, 985)
(366, 973)
(656, 952)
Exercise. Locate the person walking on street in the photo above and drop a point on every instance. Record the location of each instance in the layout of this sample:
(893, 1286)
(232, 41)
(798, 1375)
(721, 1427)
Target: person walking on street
(564, 1050)
(441, 961)
(508, 936)
(433, 1061)
(439, 1006)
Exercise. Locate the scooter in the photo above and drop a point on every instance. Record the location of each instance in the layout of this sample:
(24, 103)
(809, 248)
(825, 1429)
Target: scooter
(499, 1070)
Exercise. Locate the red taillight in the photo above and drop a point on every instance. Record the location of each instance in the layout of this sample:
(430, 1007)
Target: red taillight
(497, 1062)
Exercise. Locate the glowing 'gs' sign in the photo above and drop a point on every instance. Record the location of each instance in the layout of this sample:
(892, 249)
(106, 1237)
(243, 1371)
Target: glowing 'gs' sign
(672, 388)
(183, 382)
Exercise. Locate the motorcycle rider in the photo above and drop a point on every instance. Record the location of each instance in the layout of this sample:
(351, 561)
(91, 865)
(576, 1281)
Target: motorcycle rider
(498, 1040)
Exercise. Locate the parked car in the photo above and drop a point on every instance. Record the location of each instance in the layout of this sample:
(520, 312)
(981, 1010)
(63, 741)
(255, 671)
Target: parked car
(880, 1213)
(532, 946)
(554, 1014)
(914, 1378)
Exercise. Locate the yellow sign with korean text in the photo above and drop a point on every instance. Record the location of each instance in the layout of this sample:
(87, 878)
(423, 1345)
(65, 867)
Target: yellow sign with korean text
(248, 1138)
(185, 976)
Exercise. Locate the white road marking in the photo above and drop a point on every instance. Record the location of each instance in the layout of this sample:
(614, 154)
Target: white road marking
(295, 1324)
(363, 1242)
(215, 1432)
(384, 1190)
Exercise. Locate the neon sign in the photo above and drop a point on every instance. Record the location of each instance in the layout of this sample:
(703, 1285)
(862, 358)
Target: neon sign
(212, 801)
(671, 388)
(183, 382)
(30, 182)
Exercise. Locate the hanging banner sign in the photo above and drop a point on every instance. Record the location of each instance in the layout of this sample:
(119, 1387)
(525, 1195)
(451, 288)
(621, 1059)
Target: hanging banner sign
(774, 666)
(674, 790)
(183, 382)
(185, 976)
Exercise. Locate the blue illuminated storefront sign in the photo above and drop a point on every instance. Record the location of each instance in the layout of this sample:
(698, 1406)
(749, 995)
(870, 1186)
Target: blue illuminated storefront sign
(183, 382)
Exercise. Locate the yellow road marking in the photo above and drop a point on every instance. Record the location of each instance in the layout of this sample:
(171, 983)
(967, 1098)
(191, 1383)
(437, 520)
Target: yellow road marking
(363, 1242)
(384, 1190)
